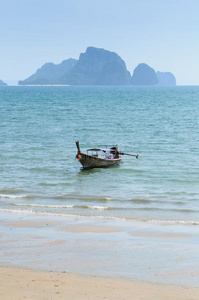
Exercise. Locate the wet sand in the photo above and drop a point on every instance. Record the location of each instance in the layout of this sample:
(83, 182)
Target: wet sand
(44, 257)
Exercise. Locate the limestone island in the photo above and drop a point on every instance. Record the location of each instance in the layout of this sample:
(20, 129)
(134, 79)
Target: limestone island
(2, 83)
(97, 67)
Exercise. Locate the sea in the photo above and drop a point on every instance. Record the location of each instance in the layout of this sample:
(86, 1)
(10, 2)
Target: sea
(39, 172)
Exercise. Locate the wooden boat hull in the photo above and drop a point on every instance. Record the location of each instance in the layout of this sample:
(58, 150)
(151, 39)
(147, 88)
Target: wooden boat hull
(90, 161)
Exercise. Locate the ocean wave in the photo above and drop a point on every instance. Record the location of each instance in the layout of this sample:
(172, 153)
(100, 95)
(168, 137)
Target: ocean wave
(61, 197)
(172, 222)
(62, 206)
(161, 222)
(15, 196)
(184, 210)
(13, 191)
(141, 200)
(43, 205)
(98, 207)
(84, 197)
(155, 201)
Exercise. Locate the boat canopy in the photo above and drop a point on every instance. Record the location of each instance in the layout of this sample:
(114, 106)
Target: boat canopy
(94, 149)
(100, 149)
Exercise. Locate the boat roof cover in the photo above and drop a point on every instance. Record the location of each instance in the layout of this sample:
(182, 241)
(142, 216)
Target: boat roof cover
(100, 149)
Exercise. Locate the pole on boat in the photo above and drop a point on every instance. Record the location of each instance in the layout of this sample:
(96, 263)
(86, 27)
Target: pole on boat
(77, 144)
(121, 153)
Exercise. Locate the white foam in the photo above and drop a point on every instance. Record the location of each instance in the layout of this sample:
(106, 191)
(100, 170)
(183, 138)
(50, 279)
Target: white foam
(61, 206)
(172, 222)
(14, 196)
(44, 206)
(98, 207)
(161, 222)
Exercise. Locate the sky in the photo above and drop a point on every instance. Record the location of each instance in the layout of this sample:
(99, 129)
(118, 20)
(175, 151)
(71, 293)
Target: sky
(161, 33)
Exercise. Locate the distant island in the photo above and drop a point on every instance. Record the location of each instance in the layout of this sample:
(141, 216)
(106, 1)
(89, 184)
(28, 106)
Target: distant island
(2, 83)
(49, 73)
(166, 78)
(97, 67)
(144, 75)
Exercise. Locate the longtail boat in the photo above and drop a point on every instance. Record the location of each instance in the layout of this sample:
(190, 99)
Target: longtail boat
(110, 156)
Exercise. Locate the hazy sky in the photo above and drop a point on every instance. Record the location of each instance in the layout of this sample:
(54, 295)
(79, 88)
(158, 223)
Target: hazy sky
(162, 33)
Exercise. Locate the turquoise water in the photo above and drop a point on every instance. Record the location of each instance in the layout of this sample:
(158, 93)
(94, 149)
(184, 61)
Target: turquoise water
(40, 175)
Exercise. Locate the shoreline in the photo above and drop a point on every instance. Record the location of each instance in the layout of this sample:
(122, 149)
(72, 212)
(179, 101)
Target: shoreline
(46, 256)
(17, 283)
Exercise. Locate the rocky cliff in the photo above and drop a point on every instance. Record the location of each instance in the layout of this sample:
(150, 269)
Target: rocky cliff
(49, 73)
(97, 67)
(166, 78)
(144, 75)
(2, 83)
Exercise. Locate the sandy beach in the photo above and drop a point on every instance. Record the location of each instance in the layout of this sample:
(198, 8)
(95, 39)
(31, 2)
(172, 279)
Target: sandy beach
(78, 258)
(26, 284)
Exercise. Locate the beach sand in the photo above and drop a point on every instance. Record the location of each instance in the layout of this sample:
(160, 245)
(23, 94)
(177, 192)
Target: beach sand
(44, 257)
(17, 284)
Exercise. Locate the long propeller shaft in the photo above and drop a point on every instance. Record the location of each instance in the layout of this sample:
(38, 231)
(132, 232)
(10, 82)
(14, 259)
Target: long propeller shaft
(121, 153)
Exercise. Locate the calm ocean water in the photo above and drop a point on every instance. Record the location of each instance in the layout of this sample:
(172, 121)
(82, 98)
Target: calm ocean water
(40, 175)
